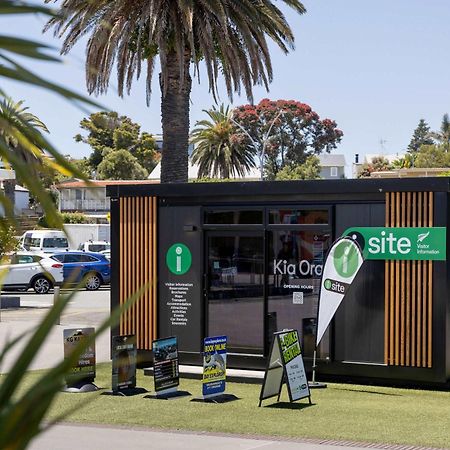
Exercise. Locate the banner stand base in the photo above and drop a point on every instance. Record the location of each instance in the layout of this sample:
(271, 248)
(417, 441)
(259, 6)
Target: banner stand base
(220, 398)
(316, 385)
(126, 392)
(80, 388)
(168, 395)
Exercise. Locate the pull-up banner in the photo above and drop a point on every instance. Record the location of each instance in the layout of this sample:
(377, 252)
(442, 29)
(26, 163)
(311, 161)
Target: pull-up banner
(401, 243)
(341, 266)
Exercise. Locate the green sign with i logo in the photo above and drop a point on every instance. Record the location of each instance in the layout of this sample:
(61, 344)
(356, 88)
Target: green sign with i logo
(178, 259)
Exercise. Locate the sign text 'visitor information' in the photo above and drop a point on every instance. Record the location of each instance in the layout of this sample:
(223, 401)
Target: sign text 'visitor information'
(401, 243)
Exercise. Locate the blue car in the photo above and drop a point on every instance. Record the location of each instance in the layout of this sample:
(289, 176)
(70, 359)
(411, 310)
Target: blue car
(88, 268)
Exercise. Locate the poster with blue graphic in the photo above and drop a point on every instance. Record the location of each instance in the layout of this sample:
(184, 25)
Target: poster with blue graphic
(214, 365)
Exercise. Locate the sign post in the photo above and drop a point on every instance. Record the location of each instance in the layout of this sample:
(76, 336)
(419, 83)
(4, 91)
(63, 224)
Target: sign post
(165, 369)
(285, 364)
(82, 376)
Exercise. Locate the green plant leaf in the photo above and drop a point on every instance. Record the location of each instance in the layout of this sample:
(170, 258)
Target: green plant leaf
(26, 47)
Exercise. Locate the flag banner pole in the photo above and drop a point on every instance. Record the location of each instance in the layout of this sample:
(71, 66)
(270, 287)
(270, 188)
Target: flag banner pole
(341, 266)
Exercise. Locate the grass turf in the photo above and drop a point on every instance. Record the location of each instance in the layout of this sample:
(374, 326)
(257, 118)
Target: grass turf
(341, 412)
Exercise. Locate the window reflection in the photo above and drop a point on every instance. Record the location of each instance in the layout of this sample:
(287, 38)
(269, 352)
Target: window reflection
(298, 216)
(296, 260)
(236, 277)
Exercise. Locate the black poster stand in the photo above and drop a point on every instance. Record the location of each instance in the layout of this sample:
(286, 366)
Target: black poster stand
(124, 356)
(165, 370)
(285, 364)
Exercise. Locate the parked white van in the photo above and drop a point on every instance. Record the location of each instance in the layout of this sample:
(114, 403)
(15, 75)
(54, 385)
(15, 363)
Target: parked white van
(45, 241)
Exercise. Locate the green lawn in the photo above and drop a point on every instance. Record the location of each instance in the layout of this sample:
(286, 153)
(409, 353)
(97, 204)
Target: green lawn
(347, 412)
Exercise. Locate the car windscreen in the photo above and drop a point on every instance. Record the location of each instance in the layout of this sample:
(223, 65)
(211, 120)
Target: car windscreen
(98, 247)
(55, 243)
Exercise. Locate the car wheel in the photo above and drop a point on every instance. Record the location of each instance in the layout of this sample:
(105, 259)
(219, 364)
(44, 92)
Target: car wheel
(41, 285)
(92, 281)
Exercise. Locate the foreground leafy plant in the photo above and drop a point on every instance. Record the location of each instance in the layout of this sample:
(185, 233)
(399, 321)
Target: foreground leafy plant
(22, 413)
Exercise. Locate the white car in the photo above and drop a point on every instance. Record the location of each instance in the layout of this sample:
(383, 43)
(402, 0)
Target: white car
(94, 246)
(27, 270)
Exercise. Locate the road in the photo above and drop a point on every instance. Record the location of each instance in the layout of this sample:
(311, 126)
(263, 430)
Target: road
(85, 309)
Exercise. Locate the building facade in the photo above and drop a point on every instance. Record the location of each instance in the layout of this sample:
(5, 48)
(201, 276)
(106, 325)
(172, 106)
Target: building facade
(245, 260)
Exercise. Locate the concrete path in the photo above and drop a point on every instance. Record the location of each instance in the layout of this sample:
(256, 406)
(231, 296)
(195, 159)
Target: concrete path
(88, 437)
(87, 309)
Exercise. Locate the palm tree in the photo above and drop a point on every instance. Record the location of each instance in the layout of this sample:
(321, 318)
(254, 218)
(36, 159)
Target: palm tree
(229, 36)
(17, 115)
(218, 152)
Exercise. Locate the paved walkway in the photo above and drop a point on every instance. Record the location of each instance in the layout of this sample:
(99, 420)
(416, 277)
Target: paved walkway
(89, 437)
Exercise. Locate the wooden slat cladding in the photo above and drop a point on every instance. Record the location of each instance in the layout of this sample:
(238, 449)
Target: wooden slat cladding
(409, 287)
(137, 255)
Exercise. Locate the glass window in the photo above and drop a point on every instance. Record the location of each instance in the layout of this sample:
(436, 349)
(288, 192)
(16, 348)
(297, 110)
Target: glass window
(55, 243)
(334, 172)
(98, 247)
(235, 295)
(59, 258)
(35, 242)
(72, 258)
(228, 217)
(298, 216)
(296, 261)
(24, 259)
(88, 258)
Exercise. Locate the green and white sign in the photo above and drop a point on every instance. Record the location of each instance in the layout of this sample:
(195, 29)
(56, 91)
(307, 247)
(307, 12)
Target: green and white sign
(341, 266)
(178, 259)
(401, 243)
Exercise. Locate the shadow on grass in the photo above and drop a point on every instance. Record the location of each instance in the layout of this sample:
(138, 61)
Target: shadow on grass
(287, 405)
(362, 391)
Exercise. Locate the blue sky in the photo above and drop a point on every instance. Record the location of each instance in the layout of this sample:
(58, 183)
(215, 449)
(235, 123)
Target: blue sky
(374, 67)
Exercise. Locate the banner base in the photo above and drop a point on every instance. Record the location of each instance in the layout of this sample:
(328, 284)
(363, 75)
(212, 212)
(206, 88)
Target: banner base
(80, 388)
(126, 392)
(316, 385)
(168, 395)
(220, 398)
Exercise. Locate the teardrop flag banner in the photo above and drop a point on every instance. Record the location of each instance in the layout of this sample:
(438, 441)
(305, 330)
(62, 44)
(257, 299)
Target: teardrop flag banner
(341, 266)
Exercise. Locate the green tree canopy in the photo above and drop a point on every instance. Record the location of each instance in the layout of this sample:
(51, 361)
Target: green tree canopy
(285, 133)
(378, 164)
(421, 136)
(309, 170)
(228, 37)
(121, 165)
(219, 151)
(430, 156)
(107, 131)
(443, 135)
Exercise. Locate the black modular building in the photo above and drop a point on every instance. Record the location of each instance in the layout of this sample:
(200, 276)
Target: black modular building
(215, 259)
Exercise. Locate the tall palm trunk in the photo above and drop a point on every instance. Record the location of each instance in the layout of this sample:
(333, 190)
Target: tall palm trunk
(175, 120)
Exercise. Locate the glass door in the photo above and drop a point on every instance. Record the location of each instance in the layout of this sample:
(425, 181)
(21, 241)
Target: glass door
(234, 289)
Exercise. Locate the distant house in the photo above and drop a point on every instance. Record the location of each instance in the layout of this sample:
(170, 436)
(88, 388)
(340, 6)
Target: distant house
(368, 158)
(21, 201)
(253, 175)
(332, 166)
(21, 194)
(159, 143)
(78, 196)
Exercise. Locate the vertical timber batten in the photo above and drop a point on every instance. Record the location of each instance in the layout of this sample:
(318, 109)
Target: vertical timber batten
(137, 256)
(409, 287)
